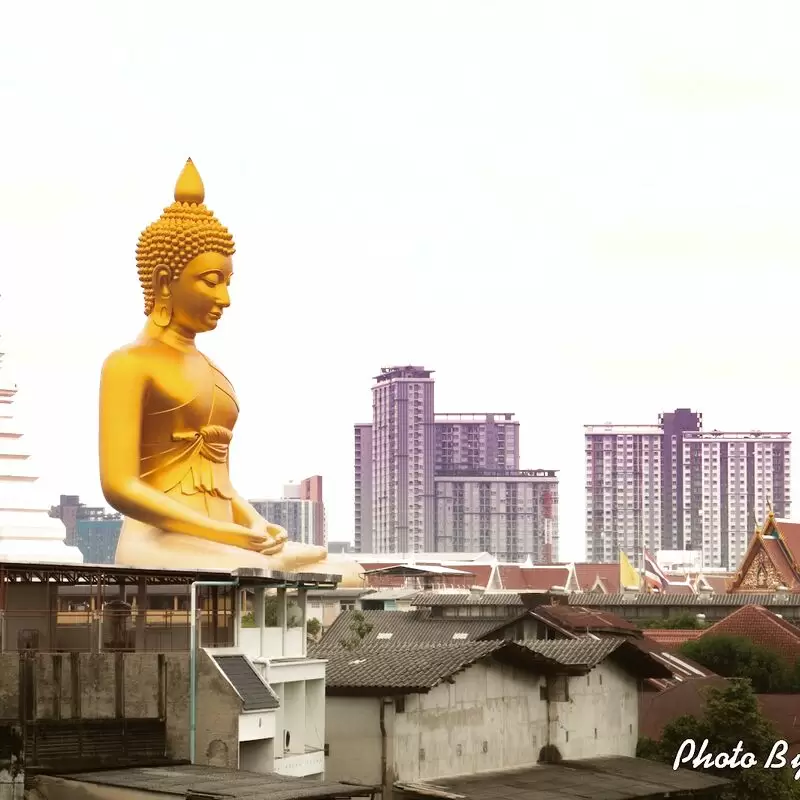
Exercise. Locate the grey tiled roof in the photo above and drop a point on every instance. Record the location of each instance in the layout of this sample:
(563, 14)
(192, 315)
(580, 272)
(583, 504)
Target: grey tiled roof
(408, 669)
(412, 627)
(431, 599)
(683, 599)
(585, 651)
(255, 693)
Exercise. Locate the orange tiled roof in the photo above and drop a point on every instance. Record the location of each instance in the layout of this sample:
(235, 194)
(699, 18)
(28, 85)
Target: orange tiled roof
(790, 531)
(516, 577)
(582, 620)
(671, 638)
(777, 555)
(588, 573)
(762, 627)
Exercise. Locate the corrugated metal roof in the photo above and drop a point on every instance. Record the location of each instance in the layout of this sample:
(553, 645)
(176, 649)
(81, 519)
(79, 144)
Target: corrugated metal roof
(255, 692)
(617, 777)
(232, 783)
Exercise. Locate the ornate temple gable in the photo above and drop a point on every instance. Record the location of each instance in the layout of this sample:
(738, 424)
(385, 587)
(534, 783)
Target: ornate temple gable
(762, 575)
(768, 562)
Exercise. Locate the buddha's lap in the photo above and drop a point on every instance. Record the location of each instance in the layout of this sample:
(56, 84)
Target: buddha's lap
(141, 544)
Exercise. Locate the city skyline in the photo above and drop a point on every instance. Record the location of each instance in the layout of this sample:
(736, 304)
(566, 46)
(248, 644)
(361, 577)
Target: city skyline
(571, 219)
(674, 486)
(427, 480)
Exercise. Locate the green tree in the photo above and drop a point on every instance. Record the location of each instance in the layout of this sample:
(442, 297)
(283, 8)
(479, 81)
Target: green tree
(731, 716)
(682, 622)
(313, 627)
(358, 629)
(271, 614)
(738, 657)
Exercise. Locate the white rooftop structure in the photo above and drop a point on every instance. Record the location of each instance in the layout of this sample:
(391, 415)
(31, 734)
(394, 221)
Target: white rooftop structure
(27, 532)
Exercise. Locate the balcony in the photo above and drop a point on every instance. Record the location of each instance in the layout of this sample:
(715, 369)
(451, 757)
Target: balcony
(298, 765)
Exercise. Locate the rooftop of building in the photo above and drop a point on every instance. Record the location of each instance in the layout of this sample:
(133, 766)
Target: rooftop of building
(611, 428)
(409, 628)
(76, 574)
(715, 434)
(409, 372)
(618, 777)
(671, 638)
(187, 780)
(579, 619)
(418, 668)
(475, 416)
(686, 599)
(762, 626)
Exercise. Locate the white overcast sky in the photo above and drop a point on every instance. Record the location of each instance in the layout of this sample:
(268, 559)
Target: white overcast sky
(579, 212)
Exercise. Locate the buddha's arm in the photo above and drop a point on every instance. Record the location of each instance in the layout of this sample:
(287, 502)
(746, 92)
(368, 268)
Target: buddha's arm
(122, 389)
(244, 513)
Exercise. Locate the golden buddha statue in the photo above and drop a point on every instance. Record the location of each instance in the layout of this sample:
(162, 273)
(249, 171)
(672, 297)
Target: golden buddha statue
(167, 414)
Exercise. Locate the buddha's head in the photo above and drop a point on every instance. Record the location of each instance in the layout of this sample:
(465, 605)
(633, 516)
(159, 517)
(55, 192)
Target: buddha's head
(184, 261)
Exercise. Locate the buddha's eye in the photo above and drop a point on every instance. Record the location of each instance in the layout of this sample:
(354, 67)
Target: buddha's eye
(212, 279)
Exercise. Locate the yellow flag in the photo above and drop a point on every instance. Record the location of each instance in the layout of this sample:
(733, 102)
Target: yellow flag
(628, 577)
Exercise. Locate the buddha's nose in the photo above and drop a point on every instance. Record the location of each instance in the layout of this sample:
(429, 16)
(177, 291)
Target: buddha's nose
(224, 298)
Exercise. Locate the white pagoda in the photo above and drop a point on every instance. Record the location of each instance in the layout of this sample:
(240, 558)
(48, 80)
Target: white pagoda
(27, 532)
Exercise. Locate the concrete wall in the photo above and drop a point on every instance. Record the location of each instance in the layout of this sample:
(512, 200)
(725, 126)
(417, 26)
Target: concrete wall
(601, 717)
(490, 717)
(132, 685)
(354, 739)
(218, 709)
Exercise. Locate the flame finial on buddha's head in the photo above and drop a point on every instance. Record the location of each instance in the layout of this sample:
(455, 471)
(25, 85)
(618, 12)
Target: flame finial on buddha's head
(184, 231)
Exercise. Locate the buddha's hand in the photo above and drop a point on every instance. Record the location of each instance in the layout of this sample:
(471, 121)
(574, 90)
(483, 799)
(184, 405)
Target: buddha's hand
(275, 537)
(238, 536)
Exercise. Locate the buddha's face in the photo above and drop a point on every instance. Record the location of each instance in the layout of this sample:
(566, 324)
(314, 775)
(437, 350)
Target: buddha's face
(200, 294)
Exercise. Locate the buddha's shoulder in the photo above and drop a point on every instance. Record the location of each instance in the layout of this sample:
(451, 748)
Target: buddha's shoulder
(136, 357)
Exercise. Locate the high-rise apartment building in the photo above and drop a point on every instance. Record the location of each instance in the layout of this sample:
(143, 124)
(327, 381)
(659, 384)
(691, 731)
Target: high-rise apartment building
(311, 490)
(509, 513)
(476, 441)
(447, 482)
(729, 480)
(674, 424)
(300, 511)
(623, 490)
(672, 486)
(363, 488)
(71, 511)
(403, 459)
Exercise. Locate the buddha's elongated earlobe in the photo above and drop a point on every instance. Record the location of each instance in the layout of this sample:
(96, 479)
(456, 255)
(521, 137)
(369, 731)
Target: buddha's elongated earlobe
(162, 297)
(162, 313)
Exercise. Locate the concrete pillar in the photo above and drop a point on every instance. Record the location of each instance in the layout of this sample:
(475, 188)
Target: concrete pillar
(283, 621)
(302, 601)
(259, 601)
(240, 599)
(141, 615)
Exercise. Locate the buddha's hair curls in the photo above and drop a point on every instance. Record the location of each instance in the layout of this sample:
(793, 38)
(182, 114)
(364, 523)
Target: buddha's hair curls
(184, 231)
